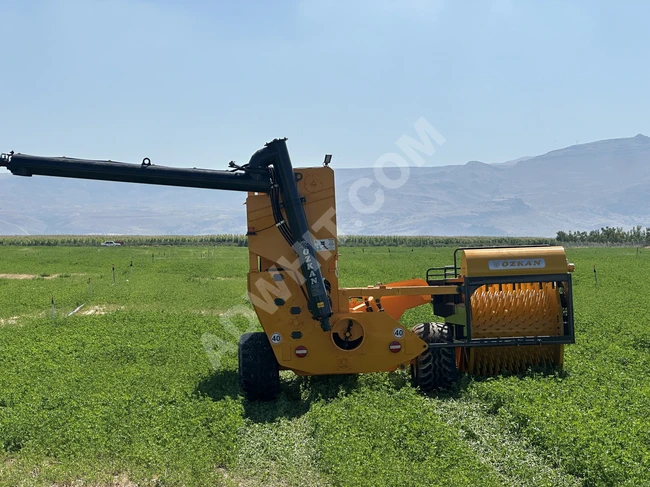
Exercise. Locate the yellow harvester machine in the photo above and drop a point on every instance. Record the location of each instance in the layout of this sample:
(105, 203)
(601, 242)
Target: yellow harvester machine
(502, 309)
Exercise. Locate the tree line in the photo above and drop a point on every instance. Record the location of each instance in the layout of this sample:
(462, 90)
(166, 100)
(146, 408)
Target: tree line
(134, 240)
(431, 241)
(636, 236)
(242, 241)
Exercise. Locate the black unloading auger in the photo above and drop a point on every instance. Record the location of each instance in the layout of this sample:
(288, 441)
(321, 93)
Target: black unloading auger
(268, 171)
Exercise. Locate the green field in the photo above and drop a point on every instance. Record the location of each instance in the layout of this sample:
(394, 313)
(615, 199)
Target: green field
(139, 387)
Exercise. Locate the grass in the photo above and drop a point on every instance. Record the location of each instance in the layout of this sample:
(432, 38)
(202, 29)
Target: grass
(128, 395)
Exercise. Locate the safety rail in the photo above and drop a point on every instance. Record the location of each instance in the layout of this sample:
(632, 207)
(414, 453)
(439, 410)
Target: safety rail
(441, 273)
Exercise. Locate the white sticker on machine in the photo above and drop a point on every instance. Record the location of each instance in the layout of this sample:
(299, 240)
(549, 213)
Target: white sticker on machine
(515, 264)
(324, 245)
(276, 338)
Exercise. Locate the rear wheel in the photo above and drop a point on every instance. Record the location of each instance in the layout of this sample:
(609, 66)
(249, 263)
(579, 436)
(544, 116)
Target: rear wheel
(259, 376)
(435, 368)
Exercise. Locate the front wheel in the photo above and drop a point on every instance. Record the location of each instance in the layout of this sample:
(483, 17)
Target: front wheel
(435, 368)
(259, 375)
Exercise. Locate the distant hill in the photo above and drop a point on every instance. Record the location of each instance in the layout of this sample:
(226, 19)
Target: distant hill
(582, 187)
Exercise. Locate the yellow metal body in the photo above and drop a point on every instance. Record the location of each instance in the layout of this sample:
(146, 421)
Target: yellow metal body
(517, 261)
(366, 320)
(275, 291)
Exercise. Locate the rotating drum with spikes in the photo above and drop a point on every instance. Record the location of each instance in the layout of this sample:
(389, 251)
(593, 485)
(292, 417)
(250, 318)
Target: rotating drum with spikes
(514, 310)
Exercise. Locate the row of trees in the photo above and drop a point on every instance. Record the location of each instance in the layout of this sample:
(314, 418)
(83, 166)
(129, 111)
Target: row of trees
(241, 240)
(637, 236)
(85, 241)
(402, 241)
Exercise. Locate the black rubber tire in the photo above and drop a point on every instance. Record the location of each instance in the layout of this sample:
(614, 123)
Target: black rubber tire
(434, 369)
(259, 376)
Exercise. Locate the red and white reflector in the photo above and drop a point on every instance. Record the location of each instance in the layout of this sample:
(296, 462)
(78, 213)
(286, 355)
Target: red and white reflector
(301, 351)
(395, 347)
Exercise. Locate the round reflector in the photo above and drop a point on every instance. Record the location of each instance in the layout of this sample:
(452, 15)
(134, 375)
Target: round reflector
(395, 347)
(301, 351)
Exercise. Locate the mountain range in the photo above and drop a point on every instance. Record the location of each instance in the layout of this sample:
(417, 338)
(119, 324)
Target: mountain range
(582, 187)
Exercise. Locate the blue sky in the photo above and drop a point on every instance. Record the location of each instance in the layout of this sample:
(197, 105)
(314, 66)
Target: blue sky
(198, 83)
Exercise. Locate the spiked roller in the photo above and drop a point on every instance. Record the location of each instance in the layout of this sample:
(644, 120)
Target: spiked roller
(515, 310)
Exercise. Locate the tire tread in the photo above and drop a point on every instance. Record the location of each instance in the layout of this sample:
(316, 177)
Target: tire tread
(434, 369)
(259, 375)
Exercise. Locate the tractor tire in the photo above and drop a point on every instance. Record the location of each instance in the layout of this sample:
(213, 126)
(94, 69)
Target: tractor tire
(436, 368)
(259, 376)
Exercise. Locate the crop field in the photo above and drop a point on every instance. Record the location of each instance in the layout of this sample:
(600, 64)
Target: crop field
(139, 386)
